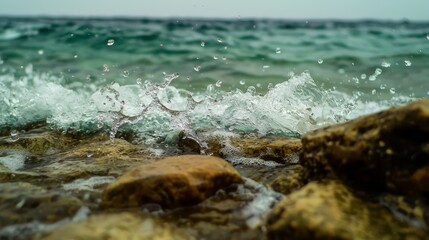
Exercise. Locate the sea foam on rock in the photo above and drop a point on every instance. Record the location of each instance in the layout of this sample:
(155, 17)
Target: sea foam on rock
(171, 182)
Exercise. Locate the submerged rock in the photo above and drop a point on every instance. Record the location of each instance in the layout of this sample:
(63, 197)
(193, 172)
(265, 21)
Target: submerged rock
(94, 159)
(329, 210)
(387, 150)
(23, 202)
(171, 182)
(115, 226)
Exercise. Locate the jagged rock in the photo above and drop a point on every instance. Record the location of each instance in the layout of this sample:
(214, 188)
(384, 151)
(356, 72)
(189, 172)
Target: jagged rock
(23, 202)
(171, 182)
(115, 226)
(387, 150)
(329, 210)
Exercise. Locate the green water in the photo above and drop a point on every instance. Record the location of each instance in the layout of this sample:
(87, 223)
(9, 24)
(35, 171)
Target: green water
(255, 76)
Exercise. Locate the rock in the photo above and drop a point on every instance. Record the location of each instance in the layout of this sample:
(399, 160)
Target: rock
(171, 182)
(37, 141)
(115, 226)
(280, 149)
(23, 202)
(387, 150)
(329, 210)
(289, 181)
(276, 149)
(94, 159)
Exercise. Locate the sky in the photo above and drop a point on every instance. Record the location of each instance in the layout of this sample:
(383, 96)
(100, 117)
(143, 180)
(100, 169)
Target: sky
(287, 9)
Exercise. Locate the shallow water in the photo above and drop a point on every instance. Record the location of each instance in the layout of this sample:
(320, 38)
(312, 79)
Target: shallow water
(157, 76)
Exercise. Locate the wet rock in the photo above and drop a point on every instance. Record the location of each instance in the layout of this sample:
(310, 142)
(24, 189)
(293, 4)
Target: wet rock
(289, 181)
(23, 202)
(329, 210)
(283, 150)
(115, 226)
(94, 159)
(387, 150)
(37, 141)
(268, 148)
(171, 182)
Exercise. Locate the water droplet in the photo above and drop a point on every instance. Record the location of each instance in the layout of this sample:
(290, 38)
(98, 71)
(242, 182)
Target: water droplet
(258, 85)
(226, 47)
(383, 86)
(356, 80)
(265, 66)
(372, 78)
(40, 52)
(75, 56)
(341, 71)
(278, 50)
(224, 58)
(363, 76)
(219, 40)
(427, 36)
(407, 63)
(373, 91)
(251, 90)
(218, 83)
(242, 82)
(139, 81)
(215, 57)
(320, 61)
(197, 68)
(106, 68)
(203, 44)
(110, 42)
(386, 64)
(125, 73)
(392, 90)
(100, 125)
(378, 71)
(14, 135)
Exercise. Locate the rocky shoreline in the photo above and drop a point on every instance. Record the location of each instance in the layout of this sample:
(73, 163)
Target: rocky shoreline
(364, 179)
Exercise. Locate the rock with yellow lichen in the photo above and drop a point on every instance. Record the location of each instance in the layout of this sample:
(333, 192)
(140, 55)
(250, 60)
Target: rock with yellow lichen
(388, 150)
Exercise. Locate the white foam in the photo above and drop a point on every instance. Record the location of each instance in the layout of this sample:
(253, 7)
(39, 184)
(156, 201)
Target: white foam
(252, 162)
(88, 184)
(13, 159)
(263, 200)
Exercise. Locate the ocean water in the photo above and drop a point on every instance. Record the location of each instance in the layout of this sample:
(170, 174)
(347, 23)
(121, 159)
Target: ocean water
(159, 76)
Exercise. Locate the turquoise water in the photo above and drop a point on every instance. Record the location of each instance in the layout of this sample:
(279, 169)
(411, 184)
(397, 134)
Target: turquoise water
(155, 76)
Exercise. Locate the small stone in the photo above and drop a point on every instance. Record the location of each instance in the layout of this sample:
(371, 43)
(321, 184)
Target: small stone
(171, 182)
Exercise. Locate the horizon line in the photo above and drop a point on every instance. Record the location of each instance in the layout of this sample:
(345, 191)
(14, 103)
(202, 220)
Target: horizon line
(208, 18)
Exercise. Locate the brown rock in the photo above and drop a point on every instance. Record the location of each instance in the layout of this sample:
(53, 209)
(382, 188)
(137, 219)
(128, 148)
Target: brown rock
(386, 150)
(171, 182)
(268, 148)
(329, 210)
(23, 202)
(97, 158)
(289, 181)
(115, 226)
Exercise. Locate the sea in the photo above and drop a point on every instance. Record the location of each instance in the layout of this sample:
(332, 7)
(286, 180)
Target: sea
(154, 77)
